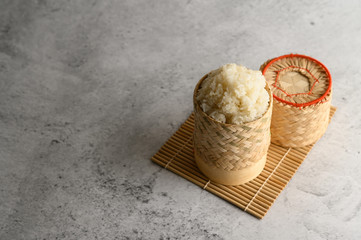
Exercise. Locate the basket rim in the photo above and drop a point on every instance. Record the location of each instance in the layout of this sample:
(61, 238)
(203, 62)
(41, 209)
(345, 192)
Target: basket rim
(196, 104)
(308, 58)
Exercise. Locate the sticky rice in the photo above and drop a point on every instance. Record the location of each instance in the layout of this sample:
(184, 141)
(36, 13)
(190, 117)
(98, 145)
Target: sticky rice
(234, 94)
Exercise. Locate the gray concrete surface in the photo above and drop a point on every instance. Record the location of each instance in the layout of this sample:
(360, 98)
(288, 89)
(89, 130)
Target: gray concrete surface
(89, 91)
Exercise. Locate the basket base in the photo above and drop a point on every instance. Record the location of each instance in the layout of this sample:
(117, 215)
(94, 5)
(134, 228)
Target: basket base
(233, 178)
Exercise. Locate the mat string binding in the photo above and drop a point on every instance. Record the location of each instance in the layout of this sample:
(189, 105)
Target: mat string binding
(205, 186)
(279, 163)
(178, 152)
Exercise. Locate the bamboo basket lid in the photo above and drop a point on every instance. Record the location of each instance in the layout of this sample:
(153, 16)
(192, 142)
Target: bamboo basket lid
(298, 80)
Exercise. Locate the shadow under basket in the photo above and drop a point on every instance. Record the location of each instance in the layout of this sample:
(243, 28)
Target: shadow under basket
(254, 197)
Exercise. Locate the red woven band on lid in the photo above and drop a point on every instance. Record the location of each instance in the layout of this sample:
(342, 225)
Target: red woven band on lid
(316, 80)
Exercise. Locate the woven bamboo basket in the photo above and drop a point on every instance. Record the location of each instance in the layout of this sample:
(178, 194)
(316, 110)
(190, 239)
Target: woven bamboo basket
(302, 95)
(227, 153)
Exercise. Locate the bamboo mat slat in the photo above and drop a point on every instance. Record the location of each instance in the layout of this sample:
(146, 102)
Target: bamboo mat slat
(255, 197)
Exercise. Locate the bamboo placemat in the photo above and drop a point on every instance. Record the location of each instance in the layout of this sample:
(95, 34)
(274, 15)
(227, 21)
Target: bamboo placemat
(255, 197)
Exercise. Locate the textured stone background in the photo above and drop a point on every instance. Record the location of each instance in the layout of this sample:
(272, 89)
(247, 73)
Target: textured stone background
(89, 91)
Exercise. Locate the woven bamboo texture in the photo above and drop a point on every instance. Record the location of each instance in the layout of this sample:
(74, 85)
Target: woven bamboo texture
(254, 197)
(294, 127)
(222, 148)
(295, 121)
